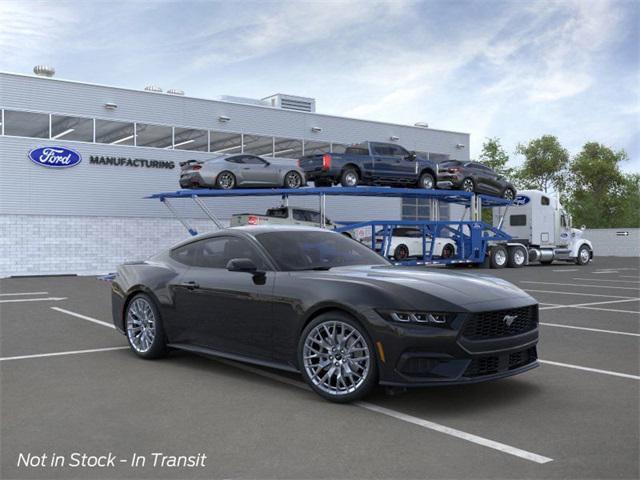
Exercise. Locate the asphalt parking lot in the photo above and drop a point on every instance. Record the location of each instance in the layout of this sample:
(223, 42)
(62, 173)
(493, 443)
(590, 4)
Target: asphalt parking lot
(68, 383)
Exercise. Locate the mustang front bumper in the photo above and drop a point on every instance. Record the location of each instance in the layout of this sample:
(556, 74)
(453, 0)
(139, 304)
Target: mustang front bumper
(474, 348)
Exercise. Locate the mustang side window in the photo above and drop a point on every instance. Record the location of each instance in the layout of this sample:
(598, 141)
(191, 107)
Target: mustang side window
(216, 252)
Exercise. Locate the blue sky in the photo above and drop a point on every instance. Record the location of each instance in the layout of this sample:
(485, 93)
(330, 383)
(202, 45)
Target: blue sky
(514, 70)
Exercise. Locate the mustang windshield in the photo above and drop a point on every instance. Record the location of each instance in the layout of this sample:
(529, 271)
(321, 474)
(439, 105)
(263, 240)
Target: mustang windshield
(313, 250)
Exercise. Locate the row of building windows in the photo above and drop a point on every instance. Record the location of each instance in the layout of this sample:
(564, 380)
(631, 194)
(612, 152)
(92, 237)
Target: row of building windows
(114, 132)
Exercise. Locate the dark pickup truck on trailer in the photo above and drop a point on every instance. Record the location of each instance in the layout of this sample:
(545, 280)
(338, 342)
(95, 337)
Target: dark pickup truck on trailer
(370, 163)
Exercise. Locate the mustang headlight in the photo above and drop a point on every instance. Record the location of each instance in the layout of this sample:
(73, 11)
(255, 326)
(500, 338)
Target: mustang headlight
(423, 318)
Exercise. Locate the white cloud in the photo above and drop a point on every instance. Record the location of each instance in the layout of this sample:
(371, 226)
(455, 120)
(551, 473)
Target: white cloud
(31, 28)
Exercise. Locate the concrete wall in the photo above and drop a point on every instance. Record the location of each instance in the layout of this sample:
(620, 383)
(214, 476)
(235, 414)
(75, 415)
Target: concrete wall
(612, 241)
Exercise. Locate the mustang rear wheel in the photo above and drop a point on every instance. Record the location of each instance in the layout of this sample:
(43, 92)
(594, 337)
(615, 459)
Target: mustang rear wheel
(336, 358)
(293, 179)
(144, 328)
(226, 180)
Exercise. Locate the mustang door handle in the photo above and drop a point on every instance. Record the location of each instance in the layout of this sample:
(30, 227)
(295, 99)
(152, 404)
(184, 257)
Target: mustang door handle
(190, 285)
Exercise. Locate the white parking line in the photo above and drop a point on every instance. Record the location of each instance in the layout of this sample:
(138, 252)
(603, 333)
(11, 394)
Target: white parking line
(23, 293)
(581, 285)
(48, 299)
(605, 280)
(469, 437)
(57, 354)
(579, 305)
(576, 293)
(605, 272)
(632, 312)
(628, 276)
(615, 332)
(588, 369)
(84, 317)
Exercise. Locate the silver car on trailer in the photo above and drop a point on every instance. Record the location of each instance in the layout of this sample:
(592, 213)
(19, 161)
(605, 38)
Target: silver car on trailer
(241, 170)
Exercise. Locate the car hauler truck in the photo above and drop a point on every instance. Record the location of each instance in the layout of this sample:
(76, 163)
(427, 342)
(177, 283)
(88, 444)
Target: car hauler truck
(538, 225)
(532, 228)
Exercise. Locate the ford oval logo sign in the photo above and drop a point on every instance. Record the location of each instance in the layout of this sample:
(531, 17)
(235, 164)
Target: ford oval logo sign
(521, 200)
(55, 157)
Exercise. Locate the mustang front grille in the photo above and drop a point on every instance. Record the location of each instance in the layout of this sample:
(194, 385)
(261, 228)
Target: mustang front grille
(501, 323)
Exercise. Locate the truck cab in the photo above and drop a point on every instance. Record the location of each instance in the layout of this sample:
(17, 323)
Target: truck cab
(538, 221)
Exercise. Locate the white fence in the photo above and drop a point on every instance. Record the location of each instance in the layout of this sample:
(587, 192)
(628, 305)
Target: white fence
(614, 242)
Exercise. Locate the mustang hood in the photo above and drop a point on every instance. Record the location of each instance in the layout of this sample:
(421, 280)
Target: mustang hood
(472, 292)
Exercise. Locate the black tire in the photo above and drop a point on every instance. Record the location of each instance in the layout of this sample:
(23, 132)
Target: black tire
(517, 257)
(293, 180)
(137, 312)
(498, 257)
(584, 255)
(226, 180)
(401, 252)
(468, 185)
(427, 181)
(509, 194)
(349, 177)
(448, 251)
(369, 378)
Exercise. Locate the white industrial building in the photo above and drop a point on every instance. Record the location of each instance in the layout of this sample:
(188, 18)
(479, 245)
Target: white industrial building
(89, 218)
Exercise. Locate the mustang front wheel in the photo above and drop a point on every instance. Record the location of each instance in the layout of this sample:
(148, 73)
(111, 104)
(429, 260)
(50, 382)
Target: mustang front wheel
(336, 358)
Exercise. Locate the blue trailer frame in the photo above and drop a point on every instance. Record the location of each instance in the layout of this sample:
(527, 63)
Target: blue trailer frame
(472, 236)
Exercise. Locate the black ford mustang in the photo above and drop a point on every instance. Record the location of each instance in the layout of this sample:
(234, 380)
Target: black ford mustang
(317, 302)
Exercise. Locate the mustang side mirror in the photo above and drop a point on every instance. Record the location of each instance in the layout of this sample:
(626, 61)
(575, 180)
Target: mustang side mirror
(411, 156)
(242, 265)
(246, 265)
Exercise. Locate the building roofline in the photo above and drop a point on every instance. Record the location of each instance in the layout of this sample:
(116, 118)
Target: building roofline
(231, 103)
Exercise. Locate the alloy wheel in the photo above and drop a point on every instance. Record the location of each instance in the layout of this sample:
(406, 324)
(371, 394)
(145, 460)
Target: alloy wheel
(447, 251)
(141, 325)
(584, 255)
(508, 194)
(519, 256)
(351, 179)
(336, 358)
(293, 180)
(427, 182)
(467, 185)
(500, 257)
(226, 181)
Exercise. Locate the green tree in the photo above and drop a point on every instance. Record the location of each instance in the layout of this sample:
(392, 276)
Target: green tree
(600, 195)
(494, 156)
(545, 164)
